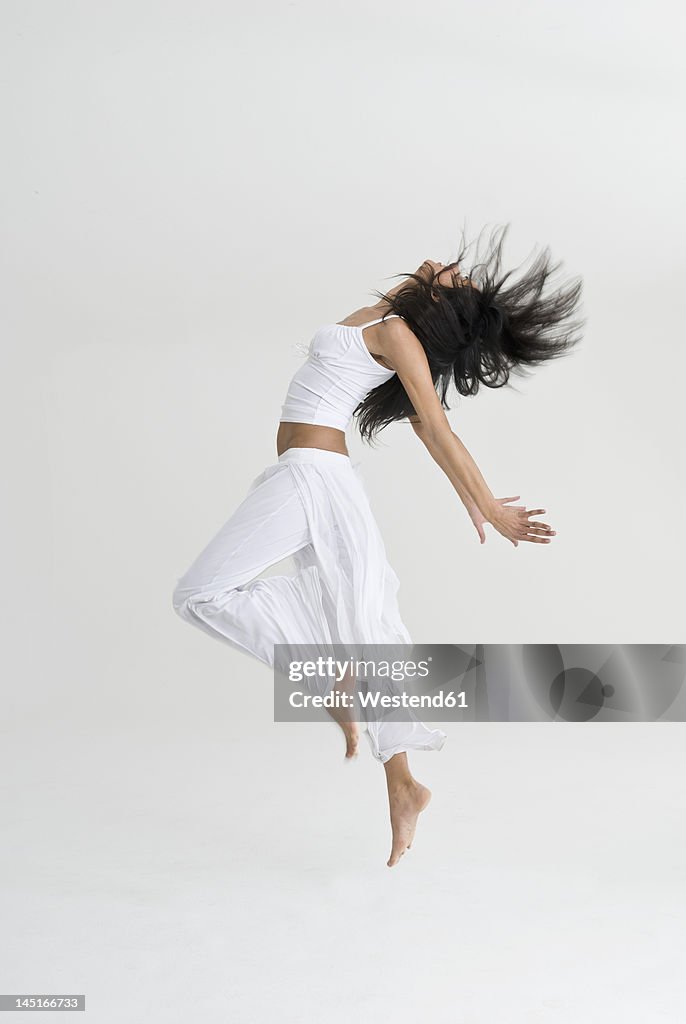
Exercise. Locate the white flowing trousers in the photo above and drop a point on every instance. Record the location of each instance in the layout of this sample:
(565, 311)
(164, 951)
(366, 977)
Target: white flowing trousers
(312, 505)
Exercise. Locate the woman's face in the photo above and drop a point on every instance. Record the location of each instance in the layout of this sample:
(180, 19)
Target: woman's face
(449, 275)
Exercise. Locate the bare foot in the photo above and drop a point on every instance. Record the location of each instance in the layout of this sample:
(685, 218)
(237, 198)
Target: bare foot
(407, 799)
(344, 716)
(351, 731)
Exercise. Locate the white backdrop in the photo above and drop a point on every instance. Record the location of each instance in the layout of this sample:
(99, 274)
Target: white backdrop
(190, 189)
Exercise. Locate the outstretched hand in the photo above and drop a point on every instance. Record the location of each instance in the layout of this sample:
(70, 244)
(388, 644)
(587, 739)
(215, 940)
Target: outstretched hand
(512, 522)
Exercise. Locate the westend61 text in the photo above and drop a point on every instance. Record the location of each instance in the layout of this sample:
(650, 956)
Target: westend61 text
(338, 699)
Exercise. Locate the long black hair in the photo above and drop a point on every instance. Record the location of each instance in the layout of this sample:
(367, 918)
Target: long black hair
(477, 335)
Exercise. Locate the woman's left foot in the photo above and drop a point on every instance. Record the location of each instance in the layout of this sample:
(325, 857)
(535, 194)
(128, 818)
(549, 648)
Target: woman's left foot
(351, 731)
(344, 717)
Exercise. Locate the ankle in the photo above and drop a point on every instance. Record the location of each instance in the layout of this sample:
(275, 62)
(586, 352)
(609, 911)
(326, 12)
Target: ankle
(401, 783)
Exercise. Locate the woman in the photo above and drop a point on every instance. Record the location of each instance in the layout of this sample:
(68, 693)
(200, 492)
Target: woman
(383, 363)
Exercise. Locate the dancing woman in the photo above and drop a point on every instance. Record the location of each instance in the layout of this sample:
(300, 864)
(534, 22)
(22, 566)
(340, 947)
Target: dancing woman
(387, 362)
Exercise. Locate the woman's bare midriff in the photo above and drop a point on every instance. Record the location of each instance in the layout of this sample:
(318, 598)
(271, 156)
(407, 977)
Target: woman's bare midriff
(306, 435)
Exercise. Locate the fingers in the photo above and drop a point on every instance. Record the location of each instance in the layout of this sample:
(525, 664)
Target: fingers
(520, 526)
(537, 530)
(536, 512)
(541, 536)
(529, 537)
(537, 533)
(530, 512)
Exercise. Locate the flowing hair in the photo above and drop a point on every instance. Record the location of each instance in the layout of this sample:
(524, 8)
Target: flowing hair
(475, 336)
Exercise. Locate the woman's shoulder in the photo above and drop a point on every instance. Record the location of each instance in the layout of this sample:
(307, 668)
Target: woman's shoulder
(375, 312)
(364, 315)
(384, 339)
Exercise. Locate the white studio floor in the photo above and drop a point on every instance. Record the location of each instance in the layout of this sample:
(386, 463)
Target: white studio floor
(193, 867)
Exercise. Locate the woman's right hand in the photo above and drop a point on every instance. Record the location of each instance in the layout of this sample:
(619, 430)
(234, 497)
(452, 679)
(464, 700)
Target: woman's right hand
(512, 522)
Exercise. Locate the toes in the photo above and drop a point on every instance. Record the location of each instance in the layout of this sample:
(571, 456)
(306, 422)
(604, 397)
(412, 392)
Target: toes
(396, 854)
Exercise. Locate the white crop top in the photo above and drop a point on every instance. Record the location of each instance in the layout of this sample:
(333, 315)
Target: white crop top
(339, 372)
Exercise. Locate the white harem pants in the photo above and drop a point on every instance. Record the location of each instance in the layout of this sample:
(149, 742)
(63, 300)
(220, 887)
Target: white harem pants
(312, 505)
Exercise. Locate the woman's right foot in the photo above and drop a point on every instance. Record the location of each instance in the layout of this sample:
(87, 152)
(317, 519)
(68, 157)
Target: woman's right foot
(407, 800)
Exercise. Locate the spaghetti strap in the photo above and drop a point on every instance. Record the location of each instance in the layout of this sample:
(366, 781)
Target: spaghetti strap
(378, 320)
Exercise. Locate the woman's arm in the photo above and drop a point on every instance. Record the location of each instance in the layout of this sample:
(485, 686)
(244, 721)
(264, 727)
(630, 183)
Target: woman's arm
(408, 358)
(430, 422)
(448, 452)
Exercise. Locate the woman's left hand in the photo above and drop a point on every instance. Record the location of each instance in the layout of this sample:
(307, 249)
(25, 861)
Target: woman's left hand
(479, 520)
